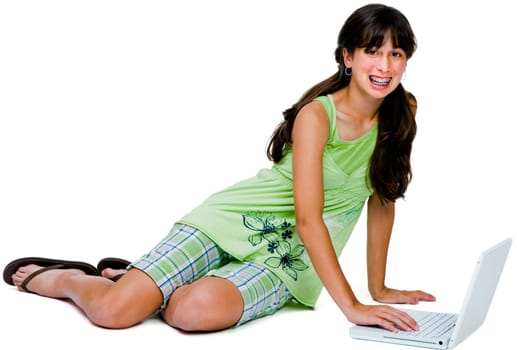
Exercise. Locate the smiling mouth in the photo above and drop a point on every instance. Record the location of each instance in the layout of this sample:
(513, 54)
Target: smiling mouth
(380, 81)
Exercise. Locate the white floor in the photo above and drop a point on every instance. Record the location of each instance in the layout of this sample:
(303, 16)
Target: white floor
(116, 117)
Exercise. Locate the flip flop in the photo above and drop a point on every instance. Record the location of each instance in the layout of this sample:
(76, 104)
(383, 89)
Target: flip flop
(113, 263)
(47, 264)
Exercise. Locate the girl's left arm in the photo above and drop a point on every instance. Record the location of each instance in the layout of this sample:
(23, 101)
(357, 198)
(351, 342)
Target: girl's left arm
(380, 220)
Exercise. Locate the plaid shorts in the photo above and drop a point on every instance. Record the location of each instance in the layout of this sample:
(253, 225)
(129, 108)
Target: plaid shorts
(186, 254)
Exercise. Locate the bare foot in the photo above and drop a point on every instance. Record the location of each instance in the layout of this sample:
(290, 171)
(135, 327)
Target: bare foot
(110, 273)
(44, 284)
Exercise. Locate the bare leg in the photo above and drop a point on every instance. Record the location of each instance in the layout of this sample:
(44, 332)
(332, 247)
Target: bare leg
(208, 304)
(112, 305)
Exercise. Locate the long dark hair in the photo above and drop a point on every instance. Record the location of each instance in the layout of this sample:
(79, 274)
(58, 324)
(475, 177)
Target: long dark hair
(390, 168)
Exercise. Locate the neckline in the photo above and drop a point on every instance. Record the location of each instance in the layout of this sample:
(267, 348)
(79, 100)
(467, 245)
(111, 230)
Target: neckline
(335, 134)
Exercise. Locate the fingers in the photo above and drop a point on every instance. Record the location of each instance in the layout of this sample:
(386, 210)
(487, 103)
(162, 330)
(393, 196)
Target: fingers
(414, 297)
(426, 296)
(395, 296)
(384, 316)
(393, 319)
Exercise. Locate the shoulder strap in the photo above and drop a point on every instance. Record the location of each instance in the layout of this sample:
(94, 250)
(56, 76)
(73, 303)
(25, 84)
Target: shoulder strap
(328, 104)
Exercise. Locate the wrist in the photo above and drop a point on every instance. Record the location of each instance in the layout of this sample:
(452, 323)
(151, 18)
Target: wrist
(348, 308)
(347, 304)
(377, 292)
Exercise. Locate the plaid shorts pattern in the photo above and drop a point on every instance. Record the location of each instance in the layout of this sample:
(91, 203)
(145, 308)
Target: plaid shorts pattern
(182, 257)
(262, 292)
(186, 254)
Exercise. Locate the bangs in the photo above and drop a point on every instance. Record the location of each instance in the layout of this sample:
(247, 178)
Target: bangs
(384, 24)
(376, 38)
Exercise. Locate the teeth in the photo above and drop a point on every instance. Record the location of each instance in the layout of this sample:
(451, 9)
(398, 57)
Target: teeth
(380, 81)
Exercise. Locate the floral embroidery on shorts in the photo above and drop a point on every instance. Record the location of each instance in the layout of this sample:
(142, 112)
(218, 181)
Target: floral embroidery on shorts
(276, 232)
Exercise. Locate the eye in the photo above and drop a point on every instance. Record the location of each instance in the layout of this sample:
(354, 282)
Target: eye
(398, 53)
(370, 51)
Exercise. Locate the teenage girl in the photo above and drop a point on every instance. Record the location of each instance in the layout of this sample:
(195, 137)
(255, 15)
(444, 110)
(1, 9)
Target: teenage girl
(248, 250)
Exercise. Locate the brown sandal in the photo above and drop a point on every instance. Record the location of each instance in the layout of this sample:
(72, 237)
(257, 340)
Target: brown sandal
(47, 264)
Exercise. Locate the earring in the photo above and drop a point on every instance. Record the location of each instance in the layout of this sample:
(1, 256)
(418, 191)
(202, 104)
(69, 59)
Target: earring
(403, 76)
(348, 71)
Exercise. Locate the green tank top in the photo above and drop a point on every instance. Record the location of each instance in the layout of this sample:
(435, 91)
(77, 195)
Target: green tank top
(254, 219)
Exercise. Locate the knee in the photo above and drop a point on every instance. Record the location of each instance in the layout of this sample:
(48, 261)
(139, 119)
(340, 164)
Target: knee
(110, 314)
(196, 309)
(188, 310)
(124, 304)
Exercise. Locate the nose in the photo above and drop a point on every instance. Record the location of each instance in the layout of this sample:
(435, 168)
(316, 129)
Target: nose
(383, 64)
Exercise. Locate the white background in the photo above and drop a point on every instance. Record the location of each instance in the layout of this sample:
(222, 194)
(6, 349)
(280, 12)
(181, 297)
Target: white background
(117, 117)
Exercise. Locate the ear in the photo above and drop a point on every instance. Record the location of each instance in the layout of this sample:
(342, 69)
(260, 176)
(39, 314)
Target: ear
(347, 58)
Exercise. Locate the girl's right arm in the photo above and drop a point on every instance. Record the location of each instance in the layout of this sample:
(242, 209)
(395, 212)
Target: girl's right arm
(310, 135)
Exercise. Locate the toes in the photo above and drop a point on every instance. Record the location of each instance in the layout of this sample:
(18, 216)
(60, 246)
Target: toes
(22, 273)
(111, 273)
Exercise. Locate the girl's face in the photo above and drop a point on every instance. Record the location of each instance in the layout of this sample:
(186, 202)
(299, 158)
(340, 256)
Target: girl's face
(377, 71)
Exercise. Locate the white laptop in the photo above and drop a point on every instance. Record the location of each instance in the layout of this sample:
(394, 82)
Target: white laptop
(441, 330)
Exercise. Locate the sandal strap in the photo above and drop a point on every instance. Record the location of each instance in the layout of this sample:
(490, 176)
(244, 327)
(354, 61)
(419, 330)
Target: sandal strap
(38, 272)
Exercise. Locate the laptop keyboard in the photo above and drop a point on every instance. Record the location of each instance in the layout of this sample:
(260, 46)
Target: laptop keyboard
(431, 324)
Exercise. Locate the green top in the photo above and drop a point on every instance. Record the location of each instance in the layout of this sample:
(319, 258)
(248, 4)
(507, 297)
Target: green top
(254, 219)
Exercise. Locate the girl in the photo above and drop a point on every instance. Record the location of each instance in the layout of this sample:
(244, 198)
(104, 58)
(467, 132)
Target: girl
(251, 248)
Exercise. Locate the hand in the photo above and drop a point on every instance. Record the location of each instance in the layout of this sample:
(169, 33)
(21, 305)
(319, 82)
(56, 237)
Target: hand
(394, 296)
(381, 315)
